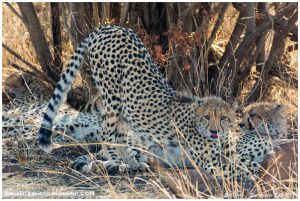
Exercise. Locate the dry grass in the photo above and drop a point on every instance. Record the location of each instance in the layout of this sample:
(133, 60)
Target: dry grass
(31, 170)
(27, 170)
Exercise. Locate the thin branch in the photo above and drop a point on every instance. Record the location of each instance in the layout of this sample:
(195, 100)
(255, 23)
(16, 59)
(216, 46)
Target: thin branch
(96, 13)
(253, 58)
(230, 46)
(19, 57)
(263, 27)
(234, 39)
(18, 67)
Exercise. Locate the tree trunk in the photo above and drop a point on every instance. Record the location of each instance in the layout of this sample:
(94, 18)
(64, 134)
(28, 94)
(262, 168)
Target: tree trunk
(56, 36)
(79, 29)
(263, 82)
(38, 39)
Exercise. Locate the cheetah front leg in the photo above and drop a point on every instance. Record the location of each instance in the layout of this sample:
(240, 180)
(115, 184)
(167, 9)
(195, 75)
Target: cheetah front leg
(116, 155)
(128, 155)
(120, 157)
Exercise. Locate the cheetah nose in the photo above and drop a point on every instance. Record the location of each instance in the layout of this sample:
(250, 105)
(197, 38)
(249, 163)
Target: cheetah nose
(214, 131)
(241, 125)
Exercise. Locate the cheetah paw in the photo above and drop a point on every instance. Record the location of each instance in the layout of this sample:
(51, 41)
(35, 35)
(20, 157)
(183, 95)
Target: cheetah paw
(48, 148)
(114, 168)
(139, 166)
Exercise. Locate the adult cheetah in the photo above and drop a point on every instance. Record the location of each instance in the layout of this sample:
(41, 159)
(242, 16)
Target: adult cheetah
(134, 94)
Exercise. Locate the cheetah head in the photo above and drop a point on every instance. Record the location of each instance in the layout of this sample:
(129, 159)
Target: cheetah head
(17, 84)
(265, 119)
(213, 117)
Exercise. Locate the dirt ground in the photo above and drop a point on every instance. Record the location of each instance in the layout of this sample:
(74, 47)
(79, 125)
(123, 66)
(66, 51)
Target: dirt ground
(50, 176)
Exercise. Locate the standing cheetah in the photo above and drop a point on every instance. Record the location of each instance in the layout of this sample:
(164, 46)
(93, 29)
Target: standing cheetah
(135, 96)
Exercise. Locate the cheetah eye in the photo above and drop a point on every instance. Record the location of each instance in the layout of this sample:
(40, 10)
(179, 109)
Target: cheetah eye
(223, 118)
(207, 117)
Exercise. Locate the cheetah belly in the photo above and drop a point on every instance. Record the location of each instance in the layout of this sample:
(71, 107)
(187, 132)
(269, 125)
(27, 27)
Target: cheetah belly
(174, 157)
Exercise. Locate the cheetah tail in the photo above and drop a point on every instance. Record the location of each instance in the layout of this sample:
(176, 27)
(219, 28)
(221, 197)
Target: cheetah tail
(59, 96)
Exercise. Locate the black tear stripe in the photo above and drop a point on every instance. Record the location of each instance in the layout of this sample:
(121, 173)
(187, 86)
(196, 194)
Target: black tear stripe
(222, 127)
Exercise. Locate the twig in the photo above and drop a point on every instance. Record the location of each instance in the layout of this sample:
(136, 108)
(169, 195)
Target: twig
(16, 66)
(230, 47)
(244, 45)
(248, 40)
(96, 13)
(19, 57)
(234, 39)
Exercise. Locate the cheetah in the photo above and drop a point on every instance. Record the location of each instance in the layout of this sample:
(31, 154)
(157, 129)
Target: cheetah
(28, 101)
(263, 124)
(202, 131)
(22, 89)
(266, 119)
(21, 121)
(135, 96)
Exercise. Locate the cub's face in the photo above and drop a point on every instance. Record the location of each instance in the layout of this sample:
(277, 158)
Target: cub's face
(214, 117)
(253, 122)
(263, 118)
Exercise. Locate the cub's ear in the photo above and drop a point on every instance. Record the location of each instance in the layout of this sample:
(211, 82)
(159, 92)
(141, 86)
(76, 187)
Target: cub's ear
(235, 106)
(238, 108)
(279, 108)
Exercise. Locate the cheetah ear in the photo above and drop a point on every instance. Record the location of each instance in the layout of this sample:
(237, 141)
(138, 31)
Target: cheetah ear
(236, 107)
(279, 108)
